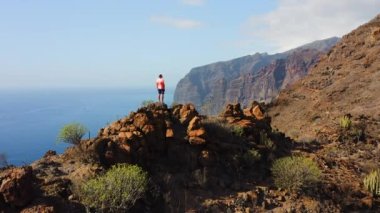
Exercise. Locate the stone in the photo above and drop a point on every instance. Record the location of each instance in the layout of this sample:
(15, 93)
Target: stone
(195, 123)
(140, 120)
(367, 202)
(196, 141)
(148, 129)
(125, 136)
(169, 133)
(197, 133)
(116, 126)
(186, 113)
(257, 112)
(233, 110)
(16, 186)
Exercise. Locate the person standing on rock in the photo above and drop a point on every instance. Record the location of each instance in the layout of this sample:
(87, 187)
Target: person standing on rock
(160, 83)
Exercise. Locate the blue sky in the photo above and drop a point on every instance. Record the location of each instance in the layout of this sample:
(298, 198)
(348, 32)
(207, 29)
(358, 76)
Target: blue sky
(125, 43)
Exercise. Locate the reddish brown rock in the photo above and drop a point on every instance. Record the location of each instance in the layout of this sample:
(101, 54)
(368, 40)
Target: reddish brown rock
(169, 133)
(42, 208)
(367, 202)
(233, 110)
(185, 113)
(125, 136)
(196, 141)
(197, 133)
(148, 129)
(16, 186)
(257, 112)
(195, 123)
(140, 120)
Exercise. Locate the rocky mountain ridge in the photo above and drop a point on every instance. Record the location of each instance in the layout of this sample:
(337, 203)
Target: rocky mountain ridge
(346, 81)
(255, 77)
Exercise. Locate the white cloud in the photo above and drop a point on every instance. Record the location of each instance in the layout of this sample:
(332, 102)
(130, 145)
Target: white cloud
(193, 2)
(296, 22)
(176, 22)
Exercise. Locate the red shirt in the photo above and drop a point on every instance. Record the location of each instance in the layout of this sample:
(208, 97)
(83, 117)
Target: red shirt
(160, 83)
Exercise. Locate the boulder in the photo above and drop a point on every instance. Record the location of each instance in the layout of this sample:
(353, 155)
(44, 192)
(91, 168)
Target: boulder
(125, 136)
(140, 120)
(197, 133)
(16, 186)
(196, 141)
(233, 110)
(169, 133)
(257, 112)
(185, 113)
(195, 123)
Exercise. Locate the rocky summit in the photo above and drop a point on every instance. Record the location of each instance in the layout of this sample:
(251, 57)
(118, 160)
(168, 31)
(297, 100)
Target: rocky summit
(257, 77)
(195, 163)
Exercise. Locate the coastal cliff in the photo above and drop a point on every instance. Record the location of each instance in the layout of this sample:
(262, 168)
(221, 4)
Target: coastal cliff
(257, 77)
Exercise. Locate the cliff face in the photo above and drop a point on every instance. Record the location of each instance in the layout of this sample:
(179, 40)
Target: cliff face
(257, 77)
(345, 81)
(206, 87)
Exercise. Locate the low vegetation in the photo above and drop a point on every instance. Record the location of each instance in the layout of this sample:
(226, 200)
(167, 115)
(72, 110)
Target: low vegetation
(295, 172)
(222, 128)
(372, 182)
(146, 103)
(115, 191)
(251, 156)
(72, 133)
(267, 142)
(345, 122)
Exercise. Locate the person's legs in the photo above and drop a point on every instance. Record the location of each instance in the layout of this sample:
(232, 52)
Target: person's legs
(162, 98)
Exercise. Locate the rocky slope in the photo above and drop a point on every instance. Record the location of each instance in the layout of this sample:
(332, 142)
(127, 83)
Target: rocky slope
(345, 81)
(255, 77)
(195, 163)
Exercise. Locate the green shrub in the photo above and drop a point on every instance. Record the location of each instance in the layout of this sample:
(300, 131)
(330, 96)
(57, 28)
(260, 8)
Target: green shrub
(117, 190)
(238, 130)
(72, 133)
(251, 156)
(345, 122)
(372, 182)
(266, 141)
(295, 172)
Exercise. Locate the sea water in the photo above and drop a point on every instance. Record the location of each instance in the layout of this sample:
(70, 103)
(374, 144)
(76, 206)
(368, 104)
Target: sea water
(30, 120)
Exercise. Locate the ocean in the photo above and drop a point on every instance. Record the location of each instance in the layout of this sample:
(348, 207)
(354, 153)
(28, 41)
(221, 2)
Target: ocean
(30, 120)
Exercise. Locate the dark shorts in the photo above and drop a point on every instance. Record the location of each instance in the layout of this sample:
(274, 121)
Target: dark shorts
(161, 91)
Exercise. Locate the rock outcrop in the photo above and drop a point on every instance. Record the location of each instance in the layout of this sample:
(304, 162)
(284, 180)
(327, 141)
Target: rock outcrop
(195, 163)
(345, 81)
(16, 186)
(257, 77)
